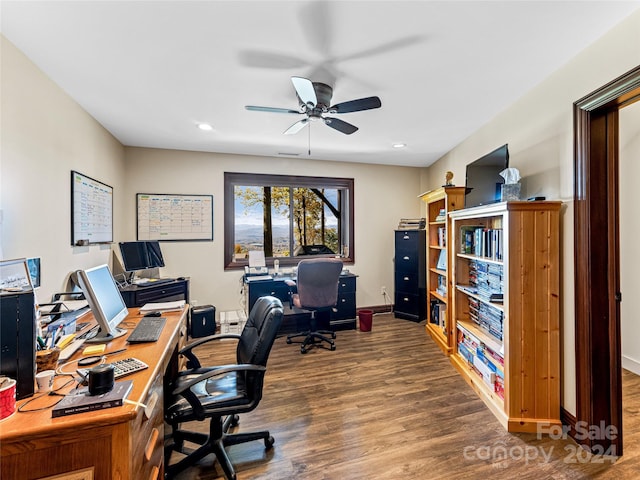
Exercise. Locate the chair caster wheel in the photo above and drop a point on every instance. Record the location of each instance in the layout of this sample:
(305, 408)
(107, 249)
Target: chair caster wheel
(289, 341)
(268, 442)
(333, 335)
(303, 350)
(333, 347)
(235, 419)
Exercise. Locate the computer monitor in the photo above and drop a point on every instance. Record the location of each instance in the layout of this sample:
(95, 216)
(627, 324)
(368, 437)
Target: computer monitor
(105, 300)
(141, 255)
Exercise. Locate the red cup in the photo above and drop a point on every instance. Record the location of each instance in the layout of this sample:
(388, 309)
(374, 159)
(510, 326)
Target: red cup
(7, 398)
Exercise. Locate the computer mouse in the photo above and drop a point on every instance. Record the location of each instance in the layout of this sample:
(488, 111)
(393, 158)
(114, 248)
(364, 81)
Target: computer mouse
(153, 314)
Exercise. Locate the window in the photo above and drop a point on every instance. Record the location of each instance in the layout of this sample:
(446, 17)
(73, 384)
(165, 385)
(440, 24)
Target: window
(286, 216)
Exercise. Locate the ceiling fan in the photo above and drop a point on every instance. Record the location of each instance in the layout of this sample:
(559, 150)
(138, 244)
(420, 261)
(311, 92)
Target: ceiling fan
(315, 100)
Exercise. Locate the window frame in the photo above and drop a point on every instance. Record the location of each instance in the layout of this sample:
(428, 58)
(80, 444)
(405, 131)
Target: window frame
(233, 179)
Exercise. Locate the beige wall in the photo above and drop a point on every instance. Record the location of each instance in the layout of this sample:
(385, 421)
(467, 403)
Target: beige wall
(45, 135)
(539, 131)
(629, 235)
(383, 194)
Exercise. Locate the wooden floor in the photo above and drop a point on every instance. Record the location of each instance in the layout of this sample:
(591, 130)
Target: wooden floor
(388, 405)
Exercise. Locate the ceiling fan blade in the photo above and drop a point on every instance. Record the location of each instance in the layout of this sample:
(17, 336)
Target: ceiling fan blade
(304, 89)
(340, 125)
(296, 127)
(356, 105)
(255, 108)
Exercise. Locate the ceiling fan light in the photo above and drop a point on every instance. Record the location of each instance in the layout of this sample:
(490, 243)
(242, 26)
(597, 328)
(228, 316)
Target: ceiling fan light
(205, 126)
(399, 145)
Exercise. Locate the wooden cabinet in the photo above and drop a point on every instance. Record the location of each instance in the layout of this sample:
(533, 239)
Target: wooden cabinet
(410, 284)
(505, 309)
(439, 203)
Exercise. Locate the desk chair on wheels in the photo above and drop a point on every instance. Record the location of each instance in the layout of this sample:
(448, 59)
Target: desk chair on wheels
(221, 393)
(317, 290)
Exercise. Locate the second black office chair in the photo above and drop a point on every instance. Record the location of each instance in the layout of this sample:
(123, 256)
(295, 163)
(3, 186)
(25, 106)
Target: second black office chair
(221, 393)
(317, 290)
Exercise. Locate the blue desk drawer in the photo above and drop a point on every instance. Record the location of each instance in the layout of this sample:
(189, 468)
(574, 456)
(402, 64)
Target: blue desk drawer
(346, 306)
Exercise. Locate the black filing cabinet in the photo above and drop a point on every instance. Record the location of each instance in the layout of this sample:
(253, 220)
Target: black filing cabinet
(343, 317)
(410, 276)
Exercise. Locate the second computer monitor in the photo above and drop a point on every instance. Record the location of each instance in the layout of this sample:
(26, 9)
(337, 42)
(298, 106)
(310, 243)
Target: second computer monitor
(141, 255)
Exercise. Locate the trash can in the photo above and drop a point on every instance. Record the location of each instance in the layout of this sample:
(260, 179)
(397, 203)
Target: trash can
(366, 319)
(203, 321)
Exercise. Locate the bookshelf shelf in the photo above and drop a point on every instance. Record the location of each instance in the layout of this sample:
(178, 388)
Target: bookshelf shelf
(439, 203)
(517, 377)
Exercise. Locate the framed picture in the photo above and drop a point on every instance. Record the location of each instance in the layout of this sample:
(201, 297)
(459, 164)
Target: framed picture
(168, 217)
(91, 210)
(14, 275)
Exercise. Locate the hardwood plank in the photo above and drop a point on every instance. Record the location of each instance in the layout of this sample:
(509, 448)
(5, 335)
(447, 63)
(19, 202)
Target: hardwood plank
(387, 404)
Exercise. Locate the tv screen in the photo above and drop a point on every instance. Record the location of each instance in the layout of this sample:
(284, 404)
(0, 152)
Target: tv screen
(141, 255)
(483, 181)
(105, 300)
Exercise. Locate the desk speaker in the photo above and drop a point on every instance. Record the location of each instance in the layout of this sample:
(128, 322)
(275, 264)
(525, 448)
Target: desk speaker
(203, 321)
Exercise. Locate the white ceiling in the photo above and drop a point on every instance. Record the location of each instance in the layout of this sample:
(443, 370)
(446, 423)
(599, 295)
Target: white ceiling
(149, 72)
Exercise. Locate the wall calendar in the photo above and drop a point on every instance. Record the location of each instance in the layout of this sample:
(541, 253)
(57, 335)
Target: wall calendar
(167, 217)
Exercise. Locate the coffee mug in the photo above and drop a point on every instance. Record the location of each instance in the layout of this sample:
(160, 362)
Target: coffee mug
(44, 380)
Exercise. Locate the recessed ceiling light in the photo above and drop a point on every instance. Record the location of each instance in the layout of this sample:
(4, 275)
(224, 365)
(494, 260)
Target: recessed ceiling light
(205, 126)
(399, 145)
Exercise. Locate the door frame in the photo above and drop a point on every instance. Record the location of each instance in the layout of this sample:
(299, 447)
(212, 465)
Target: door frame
(597, 264)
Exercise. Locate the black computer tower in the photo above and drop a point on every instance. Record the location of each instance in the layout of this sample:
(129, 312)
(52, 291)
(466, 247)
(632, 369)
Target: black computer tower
(18, 340)
(203, 321)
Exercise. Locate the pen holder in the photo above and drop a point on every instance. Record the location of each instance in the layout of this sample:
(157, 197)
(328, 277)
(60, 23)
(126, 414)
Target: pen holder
(47, 359)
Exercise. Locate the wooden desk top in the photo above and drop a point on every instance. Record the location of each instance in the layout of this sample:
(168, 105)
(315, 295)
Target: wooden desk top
(21, 426)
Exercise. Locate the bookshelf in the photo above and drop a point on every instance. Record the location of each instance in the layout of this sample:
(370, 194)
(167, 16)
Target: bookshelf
(439, 203)
(508, 349)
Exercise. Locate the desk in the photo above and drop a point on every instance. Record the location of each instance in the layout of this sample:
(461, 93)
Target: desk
(114, 443)
(342, 318)
(138, 295)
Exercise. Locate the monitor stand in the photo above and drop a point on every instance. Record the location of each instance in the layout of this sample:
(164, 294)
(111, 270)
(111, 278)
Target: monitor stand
(102, 337)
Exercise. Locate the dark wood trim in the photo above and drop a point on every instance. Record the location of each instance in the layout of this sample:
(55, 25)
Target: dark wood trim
(235, 178)
(597, 269)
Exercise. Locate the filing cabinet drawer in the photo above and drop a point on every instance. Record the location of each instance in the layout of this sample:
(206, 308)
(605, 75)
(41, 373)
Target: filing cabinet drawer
(268, 288)
(408, 304)
(346, 284)
(407, 281)
(346, 306)
(407, 241)
(148, 434)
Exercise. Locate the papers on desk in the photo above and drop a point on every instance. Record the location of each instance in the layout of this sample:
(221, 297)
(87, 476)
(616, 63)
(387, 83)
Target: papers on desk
(163, 306)
(255, 278)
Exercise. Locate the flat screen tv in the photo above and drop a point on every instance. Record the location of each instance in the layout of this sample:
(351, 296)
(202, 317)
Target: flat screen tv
(483, 181)
(141, 255)
(105, 300)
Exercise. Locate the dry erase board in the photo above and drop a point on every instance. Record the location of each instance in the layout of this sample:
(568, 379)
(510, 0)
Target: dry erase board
(168, 217)
(91, 210)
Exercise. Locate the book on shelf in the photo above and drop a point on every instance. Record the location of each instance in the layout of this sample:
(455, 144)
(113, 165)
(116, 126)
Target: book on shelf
(442, 260)
(80, 401)
(442, 215)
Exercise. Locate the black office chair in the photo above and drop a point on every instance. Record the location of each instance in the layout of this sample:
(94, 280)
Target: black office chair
(223, 391)
(317, 290)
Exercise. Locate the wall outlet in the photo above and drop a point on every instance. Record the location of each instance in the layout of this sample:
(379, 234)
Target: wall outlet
(383, 290)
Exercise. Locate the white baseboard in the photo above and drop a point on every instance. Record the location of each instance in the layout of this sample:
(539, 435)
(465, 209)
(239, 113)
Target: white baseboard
(631, 364)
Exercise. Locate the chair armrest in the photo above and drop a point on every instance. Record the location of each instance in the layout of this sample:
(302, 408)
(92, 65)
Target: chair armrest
(217, 371)
(186, 350)
(290, 282)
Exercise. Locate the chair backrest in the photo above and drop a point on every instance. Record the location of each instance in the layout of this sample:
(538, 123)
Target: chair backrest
(317, 282)
(260, 331)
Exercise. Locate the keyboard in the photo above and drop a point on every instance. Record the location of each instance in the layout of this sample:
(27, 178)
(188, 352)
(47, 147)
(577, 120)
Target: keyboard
(147, 330)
